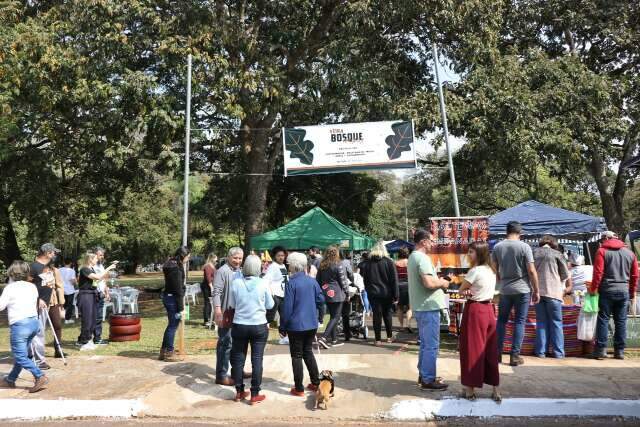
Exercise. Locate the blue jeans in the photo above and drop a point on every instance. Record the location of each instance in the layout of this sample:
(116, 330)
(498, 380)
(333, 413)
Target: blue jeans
(521, 304)
(223, 353)
(429, 333)
(171, 305)
(616, 304)
(549, 327)
(22, 333)
(243, 335)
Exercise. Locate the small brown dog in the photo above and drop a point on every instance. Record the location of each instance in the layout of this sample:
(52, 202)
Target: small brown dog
(325, 389)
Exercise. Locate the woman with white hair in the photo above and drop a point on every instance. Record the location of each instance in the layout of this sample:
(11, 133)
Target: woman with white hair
(302, 298)
(381, 283)
(250, 297)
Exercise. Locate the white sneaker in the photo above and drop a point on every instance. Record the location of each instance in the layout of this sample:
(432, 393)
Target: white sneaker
(88, 346)
(69, 322)
(284, 341)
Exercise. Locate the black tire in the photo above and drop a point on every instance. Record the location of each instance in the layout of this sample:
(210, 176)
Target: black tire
(125, 330)
(123, 338)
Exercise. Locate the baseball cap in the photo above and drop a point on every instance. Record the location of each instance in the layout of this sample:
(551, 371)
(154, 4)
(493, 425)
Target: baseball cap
(48, 247)
(608, 235)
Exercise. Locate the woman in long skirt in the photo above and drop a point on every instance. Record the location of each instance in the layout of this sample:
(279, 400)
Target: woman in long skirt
(478, 339)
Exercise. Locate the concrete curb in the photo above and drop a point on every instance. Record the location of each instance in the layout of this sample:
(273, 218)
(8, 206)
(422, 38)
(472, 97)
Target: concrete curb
(426, 409)
(33, 409)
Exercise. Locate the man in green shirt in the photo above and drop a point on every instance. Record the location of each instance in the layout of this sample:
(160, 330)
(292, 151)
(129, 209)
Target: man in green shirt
(427, 298)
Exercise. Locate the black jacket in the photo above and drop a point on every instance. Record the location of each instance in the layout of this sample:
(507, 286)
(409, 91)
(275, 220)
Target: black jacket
(334, 283)
(174, 281)
(380, 278)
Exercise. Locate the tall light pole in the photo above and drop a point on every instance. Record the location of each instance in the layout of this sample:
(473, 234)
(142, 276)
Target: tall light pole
(443, 113)
(187, 143)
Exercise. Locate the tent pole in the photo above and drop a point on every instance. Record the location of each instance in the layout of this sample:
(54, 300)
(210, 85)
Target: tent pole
(589, 252)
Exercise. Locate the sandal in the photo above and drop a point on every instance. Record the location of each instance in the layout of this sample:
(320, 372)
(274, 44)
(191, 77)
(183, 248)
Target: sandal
(497, 397)
(470, 397)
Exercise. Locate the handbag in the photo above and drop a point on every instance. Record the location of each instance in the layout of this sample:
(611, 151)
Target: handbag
(229, 313)
(590, 303)
(227, 317)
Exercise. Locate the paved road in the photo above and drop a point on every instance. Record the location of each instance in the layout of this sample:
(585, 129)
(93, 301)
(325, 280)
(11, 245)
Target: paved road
(467, 422)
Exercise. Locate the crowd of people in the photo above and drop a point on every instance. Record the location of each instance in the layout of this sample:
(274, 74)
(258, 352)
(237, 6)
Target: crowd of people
(40, 294)
(246, 297)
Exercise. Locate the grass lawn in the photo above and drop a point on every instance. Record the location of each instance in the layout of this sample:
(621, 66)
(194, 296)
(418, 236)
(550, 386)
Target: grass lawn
(198, 339)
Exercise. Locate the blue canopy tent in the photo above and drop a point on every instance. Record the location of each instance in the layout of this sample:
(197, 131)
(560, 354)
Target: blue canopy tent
(538, 219)
(395, 245)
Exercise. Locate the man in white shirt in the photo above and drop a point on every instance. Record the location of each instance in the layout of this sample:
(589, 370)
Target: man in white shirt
(103, 292)
(278, 277)
(68, 275)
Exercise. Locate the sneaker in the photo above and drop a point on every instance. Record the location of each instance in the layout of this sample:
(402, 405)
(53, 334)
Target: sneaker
(284, 341)
(69, 322)
(619, 354)
(240, 396)
(5, 383)
(336, 343)
(296, 393)
(516, 360)
(257, 399)
(434, 386)
(44, 366)
(312, 387)
(40, 384)
(101, 342)
(323, 343)
(88, 346)
(172, 356)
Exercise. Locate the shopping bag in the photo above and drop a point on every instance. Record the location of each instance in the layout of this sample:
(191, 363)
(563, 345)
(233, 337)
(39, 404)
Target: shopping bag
(590, 303)
(587, 325)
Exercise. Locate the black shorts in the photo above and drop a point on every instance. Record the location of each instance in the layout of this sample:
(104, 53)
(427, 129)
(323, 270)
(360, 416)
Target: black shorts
(404, 294)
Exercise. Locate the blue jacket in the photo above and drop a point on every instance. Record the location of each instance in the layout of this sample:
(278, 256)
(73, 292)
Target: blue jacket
(302, 297)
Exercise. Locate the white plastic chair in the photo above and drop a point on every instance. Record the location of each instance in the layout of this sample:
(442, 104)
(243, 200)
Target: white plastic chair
(130, 301)
(192, 292)
(107, 304)
(116, 299)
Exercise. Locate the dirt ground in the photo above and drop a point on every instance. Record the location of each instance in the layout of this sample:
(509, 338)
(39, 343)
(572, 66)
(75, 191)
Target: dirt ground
(367, 384)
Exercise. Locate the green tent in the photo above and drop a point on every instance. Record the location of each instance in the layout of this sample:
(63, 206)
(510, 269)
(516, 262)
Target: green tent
(314, 228)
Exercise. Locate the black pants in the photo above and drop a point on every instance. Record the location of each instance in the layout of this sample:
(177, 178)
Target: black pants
(87, 306)
(322, 310)
(300, 347)
(69, 309)
(382, 310)
(97, 330)
(242, 336)
(346, 312)
(335, 314)
(206, 294)
(278, 305)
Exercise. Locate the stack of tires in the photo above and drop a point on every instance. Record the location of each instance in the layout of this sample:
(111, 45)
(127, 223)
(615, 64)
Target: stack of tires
(125, 327)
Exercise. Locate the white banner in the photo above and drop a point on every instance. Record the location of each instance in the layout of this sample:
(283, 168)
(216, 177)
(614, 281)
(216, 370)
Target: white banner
(348, 147)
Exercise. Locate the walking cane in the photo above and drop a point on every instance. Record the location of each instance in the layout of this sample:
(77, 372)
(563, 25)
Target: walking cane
(55, 337)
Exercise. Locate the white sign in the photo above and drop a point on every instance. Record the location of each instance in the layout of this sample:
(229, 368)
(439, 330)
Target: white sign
(348, 147)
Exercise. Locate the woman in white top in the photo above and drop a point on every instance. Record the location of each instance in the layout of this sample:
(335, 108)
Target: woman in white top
(20, 298)
(478, 339)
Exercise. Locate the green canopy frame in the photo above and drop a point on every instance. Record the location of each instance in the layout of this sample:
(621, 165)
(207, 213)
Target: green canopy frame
(314, 228)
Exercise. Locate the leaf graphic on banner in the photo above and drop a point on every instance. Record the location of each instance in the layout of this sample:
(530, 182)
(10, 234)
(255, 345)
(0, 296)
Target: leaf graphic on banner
(400, 141)
(300, 148)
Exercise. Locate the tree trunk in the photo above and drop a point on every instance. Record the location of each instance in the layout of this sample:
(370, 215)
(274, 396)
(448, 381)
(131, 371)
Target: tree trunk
(260, 164)
(9, 250)
(612, 201)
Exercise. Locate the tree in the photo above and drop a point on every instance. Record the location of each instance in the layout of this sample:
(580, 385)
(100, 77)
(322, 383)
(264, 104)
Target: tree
(558, 94)
(263, 65)
(87, 119)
